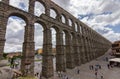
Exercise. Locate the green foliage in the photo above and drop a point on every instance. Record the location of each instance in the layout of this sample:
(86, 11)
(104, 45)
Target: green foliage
(5, 55)
(17, 57)
(36, 53)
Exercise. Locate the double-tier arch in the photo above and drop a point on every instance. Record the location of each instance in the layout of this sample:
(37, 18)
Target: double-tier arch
(65, 52)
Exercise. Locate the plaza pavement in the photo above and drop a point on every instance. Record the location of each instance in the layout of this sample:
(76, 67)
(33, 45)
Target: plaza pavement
(85, 72)
(5, 72)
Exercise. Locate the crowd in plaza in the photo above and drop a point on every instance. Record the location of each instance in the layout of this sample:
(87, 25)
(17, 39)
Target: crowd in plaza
(94, 69)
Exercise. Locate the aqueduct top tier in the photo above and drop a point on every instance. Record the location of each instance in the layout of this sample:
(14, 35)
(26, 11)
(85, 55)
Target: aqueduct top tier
(76, 27)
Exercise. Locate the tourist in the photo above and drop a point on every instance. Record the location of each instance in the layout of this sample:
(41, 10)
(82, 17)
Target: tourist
(78, 71)
(37, 74)
(106, 58)
(99, 66)
(92, 67)
(40, 77)
(96, 73)
(108, 66)
(102, 77)
(111, 66)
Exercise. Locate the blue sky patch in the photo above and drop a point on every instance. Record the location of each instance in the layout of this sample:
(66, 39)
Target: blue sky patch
(86, 15)
(115, 28)
(90, 15)
(22, 5)
(106, 13)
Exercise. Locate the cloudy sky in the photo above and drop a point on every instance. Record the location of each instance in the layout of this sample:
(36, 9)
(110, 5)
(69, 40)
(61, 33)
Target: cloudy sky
(101, 15)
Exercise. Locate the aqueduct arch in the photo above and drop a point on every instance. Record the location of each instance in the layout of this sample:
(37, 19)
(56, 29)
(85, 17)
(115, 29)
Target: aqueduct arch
(81, 46)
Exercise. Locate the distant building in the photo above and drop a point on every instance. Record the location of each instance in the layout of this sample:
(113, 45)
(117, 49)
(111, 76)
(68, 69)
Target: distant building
(12, 54)
(40, 51)
(116, 48)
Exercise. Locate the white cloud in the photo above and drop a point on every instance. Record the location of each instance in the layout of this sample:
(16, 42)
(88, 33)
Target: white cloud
(112, 36)
(96, 13)
(13, 48)
(38, 36)
(21, 4)
(15, 29)
(14, 34)
(63, 3)
(39, 9)
(53, 37)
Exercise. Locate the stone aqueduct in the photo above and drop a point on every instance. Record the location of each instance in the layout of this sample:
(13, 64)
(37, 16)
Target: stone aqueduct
(81, 46)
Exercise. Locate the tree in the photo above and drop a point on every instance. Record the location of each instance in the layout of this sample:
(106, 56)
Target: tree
(5, 55)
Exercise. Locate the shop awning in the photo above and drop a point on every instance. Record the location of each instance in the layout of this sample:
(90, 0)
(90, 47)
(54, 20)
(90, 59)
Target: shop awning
(115, 60)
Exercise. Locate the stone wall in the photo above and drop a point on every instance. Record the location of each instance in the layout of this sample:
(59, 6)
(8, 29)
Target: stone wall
(82, 44)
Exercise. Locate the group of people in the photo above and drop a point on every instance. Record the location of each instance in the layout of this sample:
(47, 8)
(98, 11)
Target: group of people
(96, 69)
(62, 75)
(111, 65)
(37, 75)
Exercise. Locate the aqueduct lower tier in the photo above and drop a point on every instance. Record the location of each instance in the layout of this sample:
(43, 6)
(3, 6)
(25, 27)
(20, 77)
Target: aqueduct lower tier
(81, 45)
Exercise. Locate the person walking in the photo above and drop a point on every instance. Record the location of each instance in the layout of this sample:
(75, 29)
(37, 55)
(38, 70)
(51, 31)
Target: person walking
(92, 67)
(108, 66)
(99, 66)
(40, 76)
(102, 77)
(96, 74)
(37, 74)
(106, 59)
(78, 71)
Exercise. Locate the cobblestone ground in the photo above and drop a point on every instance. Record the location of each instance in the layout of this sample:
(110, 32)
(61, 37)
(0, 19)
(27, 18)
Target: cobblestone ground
(5, 72)
(85, 72)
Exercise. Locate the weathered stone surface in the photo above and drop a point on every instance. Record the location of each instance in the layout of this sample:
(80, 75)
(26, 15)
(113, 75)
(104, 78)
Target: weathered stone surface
(6, 73)
(77, 50)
